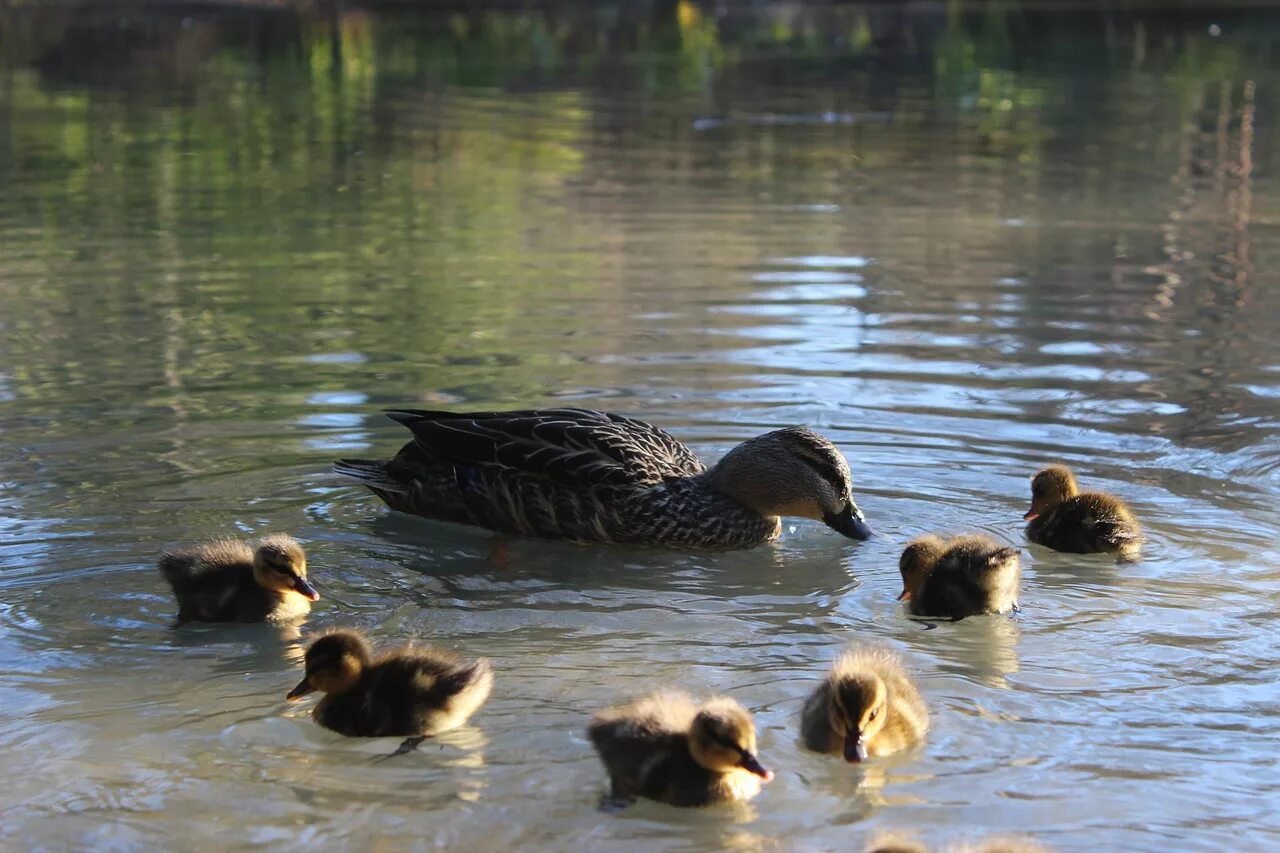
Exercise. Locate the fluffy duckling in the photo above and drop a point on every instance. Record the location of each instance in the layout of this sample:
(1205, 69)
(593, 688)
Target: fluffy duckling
(1065, 519)
(413, 693)
(967, 576)
(867, 705)
(228, 581)
(668, 748)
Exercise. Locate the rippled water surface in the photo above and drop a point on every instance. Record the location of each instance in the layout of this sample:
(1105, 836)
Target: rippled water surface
(959, 244)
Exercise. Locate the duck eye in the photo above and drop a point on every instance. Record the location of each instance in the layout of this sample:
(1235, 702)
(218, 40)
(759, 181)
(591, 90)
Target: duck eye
(873, 714)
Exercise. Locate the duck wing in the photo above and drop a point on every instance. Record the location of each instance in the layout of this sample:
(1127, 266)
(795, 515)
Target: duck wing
(579, 448)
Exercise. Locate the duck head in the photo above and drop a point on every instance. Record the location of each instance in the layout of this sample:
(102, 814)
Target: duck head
(792, 472)
(857, 711)
(280, 564)
(723, 738)
(917, 561)
(334, 663)
(1050, 487)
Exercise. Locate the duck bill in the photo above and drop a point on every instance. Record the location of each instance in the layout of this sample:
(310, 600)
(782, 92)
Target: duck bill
(752, 765)
(305, 589)
(905, 596)
(855, 748)
(304, 687)
(849, 522)
(1030, 515)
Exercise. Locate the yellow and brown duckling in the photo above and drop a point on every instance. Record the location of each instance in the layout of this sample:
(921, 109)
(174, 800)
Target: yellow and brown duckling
(965, 576)
(409, 692)
(230, 581)
(589, 476)
(667, 747)
(1065, 519)
(866, 706)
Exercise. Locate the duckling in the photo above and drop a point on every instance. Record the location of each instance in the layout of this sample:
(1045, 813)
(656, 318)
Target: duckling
(588, 476)
(415, 693)
(1065, 519)
(967, 576)
(228, 581)
(668, 748)
(867, 705)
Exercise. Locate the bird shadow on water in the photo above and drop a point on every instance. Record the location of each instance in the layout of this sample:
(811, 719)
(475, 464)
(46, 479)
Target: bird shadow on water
(452, 555)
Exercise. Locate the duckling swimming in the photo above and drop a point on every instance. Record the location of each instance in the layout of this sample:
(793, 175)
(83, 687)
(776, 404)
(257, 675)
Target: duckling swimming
(228, 581)
(413, 693)
(668, 748)
(866, 706)
(1065, 519)
(588, 476)
(967, 576)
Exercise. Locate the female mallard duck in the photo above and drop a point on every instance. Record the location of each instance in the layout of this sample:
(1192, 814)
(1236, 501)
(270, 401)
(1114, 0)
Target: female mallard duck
(228, 581)
(967, 576)
(413, 693)
(668, 748)
(867, 705)
(590, 476)
(1065, 519)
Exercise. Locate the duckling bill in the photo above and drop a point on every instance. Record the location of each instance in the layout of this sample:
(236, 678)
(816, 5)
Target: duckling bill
(967, 576)
(230, 581)
(588, 476)
(405, 693)
(866, 706)
(666, 747)
(1065, 519)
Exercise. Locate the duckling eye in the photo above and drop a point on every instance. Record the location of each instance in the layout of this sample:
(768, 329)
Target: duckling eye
(873, 714)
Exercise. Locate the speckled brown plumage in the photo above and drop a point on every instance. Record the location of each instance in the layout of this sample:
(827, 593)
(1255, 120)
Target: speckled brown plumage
(588, 476)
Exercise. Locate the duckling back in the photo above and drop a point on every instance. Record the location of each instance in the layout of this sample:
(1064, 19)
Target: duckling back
(420, 692)
(1089, 523)
(974, 575)
(214, 582)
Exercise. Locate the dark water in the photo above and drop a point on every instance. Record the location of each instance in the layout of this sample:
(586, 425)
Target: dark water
(960, 243)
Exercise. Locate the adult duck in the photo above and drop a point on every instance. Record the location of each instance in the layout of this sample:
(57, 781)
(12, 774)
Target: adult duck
(588, 476)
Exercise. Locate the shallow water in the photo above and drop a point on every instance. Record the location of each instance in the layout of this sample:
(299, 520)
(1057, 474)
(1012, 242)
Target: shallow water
(959, 245)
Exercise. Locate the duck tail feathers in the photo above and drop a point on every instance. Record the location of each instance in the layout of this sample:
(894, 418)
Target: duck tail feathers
(371, 473)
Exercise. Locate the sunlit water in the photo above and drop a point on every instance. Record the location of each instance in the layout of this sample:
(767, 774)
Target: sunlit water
(960, 247)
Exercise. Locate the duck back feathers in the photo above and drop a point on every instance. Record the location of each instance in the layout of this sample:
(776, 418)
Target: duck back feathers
(578, 475)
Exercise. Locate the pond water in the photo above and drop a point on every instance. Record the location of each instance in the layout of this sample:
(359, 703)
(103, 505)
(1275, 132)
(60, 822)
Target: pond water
(961, 242)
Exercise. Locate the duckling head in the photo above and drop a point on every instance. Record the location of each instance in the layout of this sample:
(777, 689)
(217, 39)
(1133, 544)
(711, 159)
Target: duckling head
(792, 472)
(1050, 487)
(334, 664)
(280, 564)
(723, 738)
(859, 706)
(917, 560)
